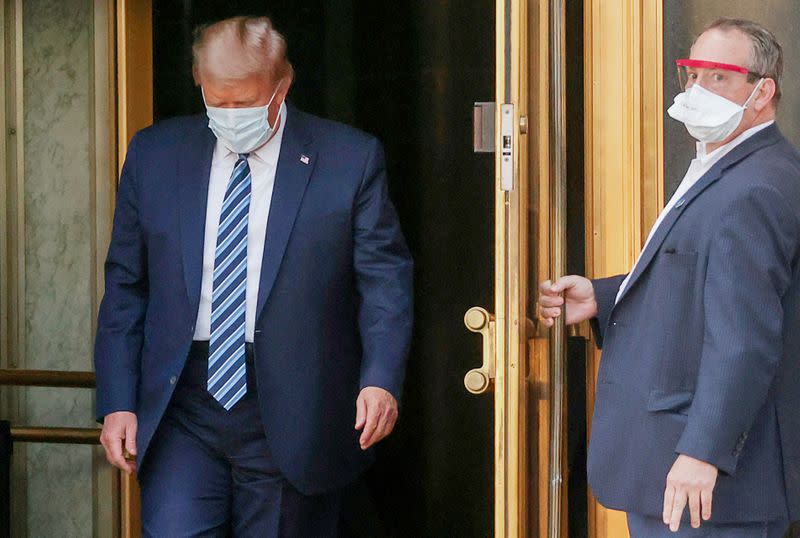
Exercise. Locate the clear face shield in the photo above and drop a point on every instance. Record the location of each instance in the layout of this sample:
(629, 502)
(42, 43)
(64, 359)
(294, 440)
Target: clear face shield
(705, 106)
(717, 77)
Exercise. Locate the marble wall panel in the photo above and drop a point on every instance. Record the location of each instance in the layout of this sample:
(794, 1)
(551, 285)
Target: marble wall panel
(57, 104)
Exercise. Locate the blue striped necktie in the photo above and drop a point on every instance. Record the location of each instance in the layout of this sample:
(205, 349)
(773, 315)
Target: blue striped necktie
(227, 379)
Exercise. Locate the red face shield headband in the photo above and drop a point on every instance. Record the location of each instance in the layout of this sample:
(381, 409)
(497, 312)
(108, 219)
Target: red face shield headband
(687, 66)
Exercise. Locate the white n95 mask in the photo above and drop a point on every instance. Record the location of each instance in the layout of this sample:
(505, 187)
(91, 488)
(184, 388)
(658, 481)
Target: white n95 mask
(707, 116)
(242, 130)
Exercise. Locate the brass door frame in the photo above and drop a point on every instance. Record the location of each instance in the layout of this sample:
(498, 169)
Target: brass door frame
(623, 44)
(12, 221)
(134, 70)
(510, 390)
(134, 112)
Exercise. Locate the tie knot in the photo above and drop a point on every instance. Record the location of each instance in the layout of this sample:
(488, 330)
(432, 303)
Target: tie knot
(243, 156)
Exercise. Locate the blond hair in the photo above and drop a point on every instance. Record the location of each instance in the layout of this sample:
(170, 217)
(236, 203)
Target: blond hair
(238, 48)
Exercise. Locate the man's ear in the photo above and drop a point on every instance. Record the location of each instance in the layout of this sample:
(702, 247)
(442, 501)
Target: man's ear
(288, 81)
(765, 95)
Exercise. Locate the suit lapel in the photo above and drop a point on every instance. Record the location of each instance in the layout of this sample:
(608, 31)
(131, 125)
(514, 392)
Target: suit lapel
(766, 137)
(194, 169)
(295, 164)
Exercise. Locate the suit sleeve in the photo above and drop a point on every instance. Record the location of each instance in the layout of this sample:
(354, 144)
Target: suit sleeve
(749, 270)
(605, 292)
(120, 320)
(384, 279)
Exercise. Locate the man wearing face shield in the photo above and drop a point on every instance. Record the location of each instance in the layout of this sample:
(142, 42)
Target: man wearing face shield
(252, 340)
(696, 429)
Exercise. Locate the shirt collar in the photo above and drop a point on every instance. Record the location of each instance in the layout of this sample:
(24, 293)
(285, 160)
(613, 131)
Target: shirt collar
(268, 153)
(717, 154)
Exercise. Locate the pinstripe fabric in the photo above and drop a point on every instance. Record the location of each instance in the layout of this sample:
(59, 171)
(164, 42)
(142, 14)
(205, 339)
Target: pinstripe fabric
(227, 380)
(652, 527)
(701, 353)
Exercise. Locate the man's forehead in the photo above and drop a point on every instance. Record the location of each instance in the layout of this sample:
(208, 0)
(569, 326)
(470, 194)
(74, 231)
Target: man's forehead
(233, 76)
(730, 47)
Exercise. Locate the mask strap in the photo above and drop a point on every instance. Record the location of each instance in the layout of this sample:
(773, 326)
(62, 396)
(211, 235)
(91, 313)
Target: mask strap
(278, 87)
(753, 93)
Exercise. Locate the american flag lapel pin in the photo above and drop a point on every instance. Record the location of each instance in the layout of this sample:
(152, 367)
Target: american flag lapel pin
(304, 159)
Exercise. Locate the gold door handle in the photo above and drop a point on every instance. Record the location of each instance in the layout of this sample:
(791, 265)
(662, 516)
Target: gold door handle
(480, 380)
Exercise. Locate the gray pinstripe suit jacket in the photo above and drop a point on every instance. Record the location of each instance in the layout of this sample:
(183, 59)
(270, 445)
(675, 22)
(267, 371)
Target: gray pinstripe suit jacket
(701, 355)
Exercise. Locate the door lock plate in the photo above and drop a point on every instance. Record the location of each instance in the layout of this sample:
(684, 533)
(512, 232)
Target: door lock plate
(483, 127)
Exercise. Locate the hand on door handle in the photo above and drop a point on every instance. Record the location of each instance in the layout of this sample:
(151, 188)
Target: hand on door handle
(573, 293)
(479, 380)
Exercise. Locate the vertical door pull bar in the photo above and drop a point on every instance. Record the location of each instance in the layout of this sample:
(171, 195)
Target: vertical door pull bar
(558, 202)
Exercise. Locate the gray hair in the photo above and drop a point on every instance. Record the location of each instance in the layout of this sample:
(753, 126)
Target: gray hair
(240, 47)
(766, 57)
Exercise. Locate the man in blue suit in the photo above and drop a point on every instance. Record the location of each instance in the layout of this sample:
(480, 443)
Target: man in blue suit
(253, 336)
(696, 429)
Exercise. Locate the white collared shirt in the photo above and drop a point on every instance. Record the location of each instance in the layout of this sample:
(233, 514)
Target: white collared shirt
(263, 165)
(697, 169)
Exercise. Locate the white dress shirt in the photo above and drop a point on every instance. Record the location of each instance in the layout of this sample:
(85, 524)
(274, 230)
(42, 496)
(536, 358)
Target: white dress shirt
(697, 169)
(263, 165)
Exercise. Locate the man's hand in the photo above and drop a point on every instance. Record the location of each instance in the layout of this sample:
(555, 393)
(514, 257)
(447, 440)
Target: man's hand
(376, 414)
(579, 293)
(690, 481)
(119, 432)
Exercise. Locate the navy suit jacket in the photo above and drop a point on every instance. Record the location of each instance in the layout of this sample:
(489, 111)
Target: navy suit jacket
(334, 311)
(701, 356)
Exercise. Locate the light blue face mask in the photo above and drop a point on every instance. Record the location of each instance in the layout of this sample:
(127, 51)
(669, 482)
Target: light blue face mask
(242, 130)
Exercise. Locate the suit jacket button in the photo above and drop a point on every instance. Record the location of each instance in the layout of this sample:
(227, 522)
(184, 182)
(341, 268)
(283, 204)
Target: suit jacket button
(173, 380)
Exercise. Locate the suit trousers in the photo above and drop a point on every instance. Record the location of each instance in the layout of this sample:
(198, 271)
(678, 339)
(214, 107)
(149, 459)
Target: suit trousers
(650, 527)
(209, 471)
